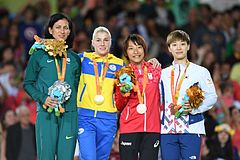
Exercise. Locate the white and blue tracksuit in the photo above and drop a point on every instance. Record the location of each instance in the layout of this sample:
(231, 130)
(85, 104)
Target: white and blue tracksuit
(180, 137)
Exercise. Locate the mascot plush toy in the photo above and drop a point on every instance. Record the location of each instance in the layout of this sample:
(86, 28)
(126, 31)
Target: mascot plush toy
(194, 95)
(58, 108)
(61, 91)
(126, 80)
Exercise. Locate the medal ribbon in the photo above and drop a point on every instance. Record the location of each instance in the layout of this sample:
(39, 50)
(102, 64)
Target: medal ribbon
(61, 76)
(98, 85)
(145, 79)
(175, 93)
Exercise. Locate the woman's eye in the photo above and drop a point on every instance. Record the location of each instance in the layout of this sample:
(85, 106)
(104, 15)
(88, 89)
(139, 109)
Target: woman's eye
(66, 28)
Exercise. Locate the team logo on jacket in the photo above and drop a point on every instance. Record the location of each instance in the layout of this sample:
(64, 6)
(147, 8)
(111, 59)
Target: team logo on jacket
(112, 67)
(209, 81)
(150, 76)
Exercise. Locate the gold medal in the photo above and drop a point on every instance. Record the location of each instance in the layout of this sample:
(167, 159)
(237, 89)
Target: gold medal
(141, 108)
(99, 99)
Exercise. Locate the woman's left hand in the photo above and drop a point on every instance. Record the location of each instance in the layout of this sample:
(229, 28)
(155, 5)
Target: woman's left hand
(154, 62)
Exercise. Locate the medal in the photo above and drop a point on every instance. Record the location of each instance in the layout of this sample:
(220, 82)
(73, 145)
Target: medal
(141, 108)
(60, 89)
(98, 99)
(175, 91)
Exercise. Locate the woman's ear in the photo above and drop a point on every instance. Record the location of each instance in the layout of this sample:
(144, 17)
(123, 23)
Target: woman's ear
(92, 45)
(169, 49)
(50, 30)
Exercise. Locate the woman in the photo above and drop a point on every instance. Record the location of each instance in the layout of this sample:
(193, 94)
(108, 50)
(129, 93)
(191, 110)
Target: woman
(140, 111)
(9, 118)
(55, 135)
(220, 146)
(97, 114)
(182, 134)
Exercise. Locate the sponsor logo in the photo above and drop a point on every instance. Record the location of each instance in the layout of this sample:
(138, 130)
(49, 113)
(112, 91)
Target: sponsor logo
(90, 63)
(193, 157)
(156, 144)
(80, 130)
(126, 143)
(49, 60)
(69, 137)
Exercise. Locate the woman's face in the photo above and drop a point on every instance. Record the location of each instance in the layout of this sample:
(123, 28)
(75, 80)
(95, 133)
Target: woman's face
(10, 118)
(60, 30)
(101, 43)
(8, 55)
(223, 137)
(13, 31)
(235, 114)
(179, 50)
(135, 53)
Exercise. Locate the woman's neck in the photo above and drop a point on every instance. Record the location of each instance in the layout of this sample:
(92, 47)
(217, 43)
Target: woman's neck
(101, 55)
(184, 61)
(138, 65)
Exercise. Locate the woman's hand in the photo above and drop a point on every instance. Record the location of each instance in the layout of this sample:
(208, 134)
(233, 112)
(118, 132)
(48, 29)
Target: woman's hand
(186, 108)
(51, 102)
(154, 62)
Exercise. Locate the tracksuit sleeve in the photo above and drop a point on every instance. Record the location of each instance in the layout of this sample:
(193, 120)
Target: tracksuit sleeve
(31, 76)
(210, 96)
(120, 100)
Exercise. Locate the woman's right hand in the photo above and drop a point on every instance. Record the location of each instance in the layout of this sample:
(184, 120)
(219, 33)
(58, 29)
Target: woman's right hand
(51, 102)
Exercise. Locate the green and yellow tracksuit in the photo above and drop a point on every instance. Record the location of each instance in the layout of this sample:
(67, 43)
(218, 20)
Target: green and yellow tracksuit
(55, 136)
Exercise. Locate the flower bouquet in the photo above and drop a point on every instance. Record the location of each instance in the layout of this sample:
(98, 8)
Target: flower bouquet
(52, 46)
(125, 79)
(194, 95)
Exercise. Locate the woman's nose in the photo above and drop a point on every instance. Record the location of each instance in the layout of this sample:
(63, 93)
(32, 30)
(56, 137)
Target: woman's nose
(135, 50)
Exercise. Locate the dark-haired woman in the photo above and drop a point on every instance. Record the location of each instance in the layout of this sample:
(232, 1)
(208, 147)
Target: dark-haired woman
(55, 135)
(140, 112)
